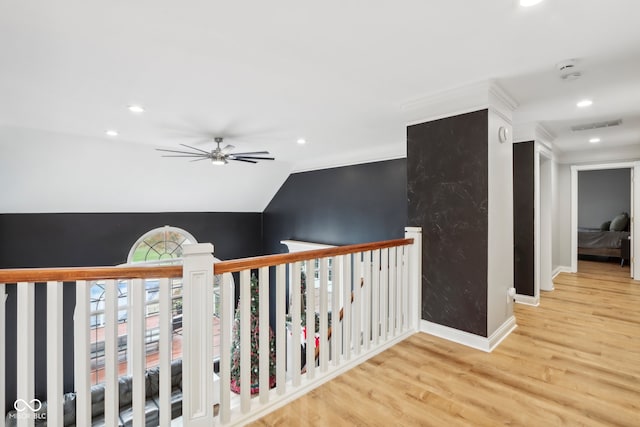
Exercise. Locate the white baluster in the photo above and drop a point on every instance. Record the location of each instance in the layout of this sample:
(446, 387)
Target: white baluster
(81, 365)
(281, 329)
(346, 305)
(311, 320)
(165, 349)
(357, 302)
(25, 347)
(336, 295)
(111, 407)
(399, 290)
(245, 341)
(265, 349)
(324, 312)
(137, 330)
(366, 300)
(392, 290)
(375, 297)
(3, 310)
(295, 322)
(384, 292)
(405, 288)
(226, 307)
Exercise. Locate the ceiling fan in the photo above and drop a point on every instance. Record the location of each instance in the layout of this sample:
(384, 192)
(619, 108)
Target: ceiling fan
(219, 156)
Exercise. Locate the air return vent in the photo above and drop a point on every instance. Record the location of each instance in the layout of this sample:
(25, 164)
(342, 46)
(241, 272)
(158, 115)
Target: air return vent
(597, 125)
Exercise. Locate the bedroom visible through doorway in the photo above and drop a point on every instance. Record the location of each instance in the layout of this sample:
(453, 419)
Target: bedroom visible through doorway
(603, 218)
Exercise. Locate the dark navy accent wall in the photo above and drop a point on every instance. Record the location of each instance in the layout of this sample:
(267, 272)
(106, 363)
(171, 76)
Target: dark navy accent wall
(351, 204)
(447, 176)
(92, 239)
(523, 218)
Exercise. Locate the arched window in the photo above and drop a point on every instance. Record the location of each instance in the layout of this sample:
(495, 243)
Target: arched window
(160, 245)
(163, 245)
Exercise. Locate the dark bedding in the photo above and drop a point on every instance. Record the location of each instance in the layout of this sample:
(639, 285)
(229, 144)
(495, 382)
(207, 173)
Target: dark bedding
(594, 238)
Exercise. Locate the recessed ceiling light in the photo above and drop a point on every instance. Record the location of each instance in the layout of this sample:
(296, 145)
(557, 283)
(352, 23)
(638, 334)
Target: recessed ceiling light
(136, 108)
(585, 103)
(594, 140)
(301, 141)
(528, 3)
(112, 132)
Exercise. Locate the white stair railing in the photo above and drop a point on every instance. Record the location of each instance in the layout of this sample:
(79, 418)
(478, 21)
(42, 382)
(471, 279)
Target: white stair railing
(372, 292)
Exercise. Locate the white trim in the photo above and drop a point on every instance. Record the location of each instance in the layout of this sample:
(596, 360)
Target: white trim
(460, 100)
(470, 340)
(574, 205)
(560, 269)
(524, 132)
(299, 245)
(353, 160)
(527, 300)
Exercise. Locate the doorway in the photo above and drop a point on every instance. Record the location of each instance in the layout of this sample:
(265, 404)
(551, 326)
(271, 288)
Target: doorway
(597, 212)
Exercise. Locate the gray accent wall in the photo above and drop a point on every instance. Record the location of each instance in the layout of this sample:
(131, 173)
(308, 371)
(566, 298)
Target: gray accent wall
(602, 194)
(447, 178)
(338, 206)
(95, 239)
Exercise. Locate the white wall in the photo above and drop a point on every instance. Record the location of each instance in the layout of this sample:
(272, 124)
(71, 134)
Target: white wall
(561, 228)
(53, 172)
(500, 217)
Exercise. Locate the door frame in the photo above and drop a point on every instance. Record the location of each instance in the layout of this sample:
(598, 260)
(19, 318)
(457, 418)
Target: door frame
(635, 202)
(542, 151)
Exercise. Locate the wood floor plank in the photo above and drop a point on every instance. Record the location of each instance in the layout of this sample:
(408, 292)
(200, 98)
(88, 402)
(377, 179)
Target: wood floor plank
(574, 360)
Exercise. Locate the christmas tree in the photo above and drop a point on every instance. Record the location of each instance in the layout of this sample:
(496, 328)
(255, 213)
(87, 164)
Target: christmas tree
(255, 344)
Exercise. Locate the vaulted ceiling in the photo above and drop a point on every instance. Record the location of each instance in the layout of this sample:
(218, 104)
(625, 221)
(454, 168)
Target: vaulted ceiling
(264, 74)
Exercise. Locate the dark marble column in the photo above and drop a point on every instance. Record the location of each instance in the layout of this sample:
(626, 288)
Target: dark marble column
(523, 218)
(447, 178)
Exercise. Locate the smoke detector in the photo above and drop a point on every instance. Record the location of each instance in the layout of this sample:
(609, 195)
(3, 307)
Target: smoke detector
(568, 69)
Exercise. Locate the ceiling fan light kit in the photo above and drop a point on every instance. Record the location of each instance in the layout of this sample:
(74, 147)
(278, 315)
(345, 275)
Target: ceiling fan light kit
(219, 156)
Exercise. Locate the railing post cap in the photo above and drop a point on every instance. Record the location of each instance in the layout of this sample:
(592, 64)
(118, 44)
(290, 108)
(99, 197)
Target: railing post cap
(197, 249)
(413, 230)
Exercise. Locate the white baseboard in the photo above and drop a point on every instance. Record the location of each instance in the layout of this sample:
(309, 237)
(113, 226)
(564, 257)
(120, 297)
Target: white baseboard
(560, 269)
(468, 339)
(527, 300)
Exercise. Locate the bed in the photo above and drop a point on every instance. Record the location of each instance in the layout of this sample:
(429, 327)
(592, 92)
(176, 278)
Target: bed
(605, 241)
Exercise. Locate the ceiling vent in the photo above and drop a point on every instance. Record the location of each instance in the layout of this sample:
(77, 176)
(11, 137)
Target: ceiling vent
(597, 125)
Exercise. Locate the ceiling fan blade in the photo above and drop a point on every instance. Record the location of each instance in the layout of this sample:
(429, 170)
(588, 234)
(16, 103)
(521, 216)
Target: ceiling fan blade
(194, 148)
(181, 152)
(254, 158)
(249, 154)
(201, 158)
(243, 160)
(184, 155)
(228, 148)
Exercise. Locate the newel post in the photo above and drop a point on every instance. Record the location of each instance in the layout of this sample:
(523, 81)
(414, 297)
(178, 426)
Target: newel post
(197, 346)
(415, 276)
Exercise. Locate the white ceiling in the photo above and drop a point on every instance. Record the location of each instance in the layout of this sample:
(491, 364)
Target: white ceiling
(263, 74)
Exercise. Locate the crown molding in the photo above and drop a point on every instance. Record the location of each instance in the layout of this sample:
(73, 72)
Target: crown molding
(533, 132)
(460, 100)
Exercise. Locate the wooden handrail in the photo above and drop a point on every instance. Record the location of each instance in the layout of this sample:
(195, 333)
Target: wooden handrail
(41, 275)
(235, 265)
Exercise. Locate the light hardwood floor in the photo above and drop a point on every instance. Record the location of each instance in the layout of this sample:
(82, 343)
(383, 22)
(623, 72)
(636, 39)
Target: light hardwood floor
(574, 360)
